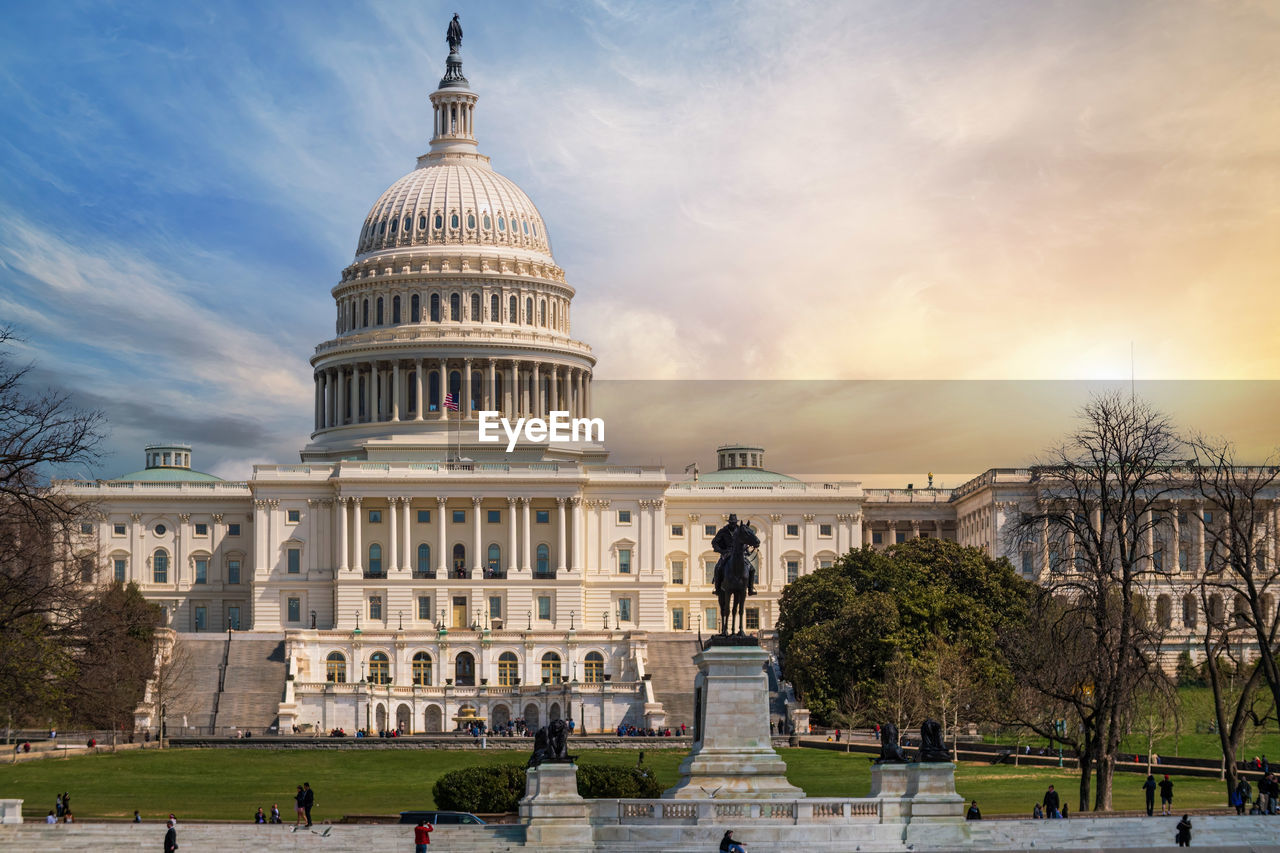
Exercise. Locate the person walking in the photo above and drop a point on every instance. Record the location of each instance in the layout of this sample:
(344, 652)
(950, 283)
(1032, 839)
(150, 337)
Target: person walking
(1149, 788)
(275, 813)
(299, 812)
(1184, 832)
(308, 800)
(1166, 795)
(1051, 802)
(171, 837)
(422, 836)
(1243, 794)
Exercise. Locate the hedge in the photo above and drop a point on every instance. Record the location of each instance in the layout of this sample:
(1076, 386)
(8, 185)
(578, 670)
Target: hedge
(497, 789)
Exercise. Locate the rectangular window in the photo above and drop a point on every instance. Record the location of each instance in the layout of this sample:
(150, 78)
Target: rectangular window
(708, 530)
(118, 565)
(1182, 518)
(1055, 565)
(86, 569)
(1208, 517)
(752, 620)
(824, 530)
(677, 571)
(624, 561)
(202, 570)
(295, 610)
(1028, 566)
(424, 516)
(424, 608)
(86, 527)
(1182, 561)
(295, 515)
(624, 610)
(233, 571)
(202, 618)
(793, 570)
(544, 608)
(459, 516)
(877, 538)
(1158, 561)
(295, 561)
(495, 607)
(677, 619)
(233, 529)
(710, 567)
(493, 516)
(900, 537)
(677, 530)
(118, 529)
(541, 516)
(375, 607)
(375, 516)
(792, 531)
(624, 516)
(824, 564)
(712, 617)
(202, 529)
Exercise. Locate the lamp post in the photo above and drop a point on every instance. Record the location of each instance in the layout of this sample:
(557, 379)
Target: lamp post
(476, 626)
(571, 624)
(400, 617)
(313, 620)
(530, 620)
(617, 618)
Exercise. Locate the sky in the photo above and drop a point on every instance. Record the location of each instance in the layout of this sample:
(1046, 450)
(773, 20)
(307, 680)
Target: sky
(906, 191)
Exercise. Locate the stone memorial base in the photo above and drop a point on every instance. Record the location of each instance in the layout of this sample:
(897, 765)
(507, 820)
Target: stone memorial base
(552, 810)
(937, 811)
(10, 811)
(889, 785)
(733, 755)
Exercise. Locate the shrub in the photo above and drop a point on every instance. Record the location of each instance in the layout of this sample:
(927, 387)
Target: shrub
(597, 781)
(1188, 674)
(486, 790)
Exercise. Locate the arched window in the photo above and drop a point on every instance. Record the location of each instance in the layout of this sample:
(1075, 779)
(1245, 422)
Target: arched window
(455, 307)
(160, 566)
(422, 222)
(433, 391)
(382, 227)
(593, 668)
(551, 668)
(513, 311)
(1189, 611)
(508, 669)
(415, 309)
(455, 386)
(1215, 609)
(335, 668)
(424, 558)
(475, 308)
(408, 223)
(544, 560)
(1164, 611)
(459, 560)
(453, 221)
(375, 559)
(502, 224)
(477, 389)
(542, 312)
(494, 560)
(439, 221)
(1240, 611)
(488, 223)
(395, 309)
(435, 308)
(378, 322)
(422, 669)
(471, 220)
(365, 314)
(464, 670)
(379, 668)
(394, 223)
(528, 310)
(526, 227)
(495, 309)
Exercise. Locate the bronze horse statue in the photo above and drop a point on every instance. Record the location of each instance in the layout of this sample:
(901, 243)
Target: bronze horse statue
(733, 574)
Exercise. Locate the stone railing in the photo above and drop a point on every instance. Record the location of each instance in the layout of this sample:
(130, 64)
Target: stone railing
(709, 811)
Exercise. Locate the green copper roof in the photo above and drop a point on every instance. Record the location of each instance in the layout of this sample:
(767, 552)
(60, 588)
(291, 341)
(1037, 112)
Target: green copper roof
(169, 475)
(745, 475)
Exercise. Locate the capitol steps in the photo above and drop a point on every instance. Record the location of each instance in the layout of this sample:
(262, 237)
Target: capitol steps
(197, 667)
(672, 670)
(254, 683)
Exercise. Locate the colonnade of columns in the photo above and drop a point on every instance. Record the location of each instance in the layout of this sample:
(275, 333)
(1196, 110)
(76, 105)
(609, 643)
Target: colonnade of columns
(393, 390)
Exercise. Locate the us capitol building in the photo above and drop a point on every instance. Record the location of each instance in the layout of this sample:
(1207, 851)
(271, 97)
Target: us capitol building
(406, 574)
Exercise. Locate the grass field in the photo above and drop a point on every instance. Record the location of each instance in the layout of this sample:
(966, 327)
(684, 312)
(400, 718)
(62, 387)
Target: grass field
(229, 784)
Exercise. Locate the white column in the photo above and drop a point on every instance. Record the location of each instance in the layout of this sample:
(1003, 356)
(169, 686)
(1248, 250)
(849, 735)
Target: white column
(577, 535)
(422, 390)
(489, 402)
(375, 393)
(443, 413)
(395, 390)
(318, 414)
(536, 403)
(560, 535)
(406, 544)
(509, 390)
(477, 563)
(554, 403)
(344, 552)
(526, 556)
(1175, 543)
(1198, 568)
(512, 563)
(442, 564)
(656, 530)
(357, 562)
(393, 541)
(341, 414)
(466, 388)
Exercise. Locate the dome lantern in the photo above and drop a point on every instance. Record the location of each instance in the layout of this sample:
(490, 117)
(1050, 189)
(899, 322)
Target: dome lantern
(454, 104)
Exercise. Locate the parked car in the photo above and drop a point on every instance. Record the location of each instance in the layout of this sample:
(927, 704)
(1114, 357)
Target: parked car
(442, 818)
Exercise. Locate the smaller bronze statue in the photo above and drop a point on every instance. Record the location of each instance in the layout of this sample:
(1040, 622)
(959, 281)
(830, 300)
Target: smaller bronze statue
(550, 743)
(890, 751)
(454, 34)
(932, 747)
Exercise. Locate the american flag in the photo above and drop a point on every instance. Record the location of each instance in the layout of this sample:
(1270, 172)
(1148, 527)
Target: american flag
(450, 403)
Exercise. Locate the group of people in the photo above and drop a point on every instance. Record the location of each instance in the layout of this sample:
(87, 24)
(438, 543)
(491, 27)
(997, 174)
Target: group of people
(303, 801)
(61, 810)
(1051, 806)
(634, 731)
(261, 816)
(1166, 794)
(1268, 801)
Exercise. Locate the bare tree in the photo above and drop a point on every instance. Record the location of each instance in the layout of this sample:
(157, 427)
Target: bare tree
(900, 696)
(1102, 497)
(170, 686)
(1156, 713)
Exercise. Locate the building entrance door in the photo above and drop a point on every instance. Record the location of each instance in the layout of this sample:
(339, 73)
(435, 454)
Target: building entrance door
(233, 617)
(460, 611)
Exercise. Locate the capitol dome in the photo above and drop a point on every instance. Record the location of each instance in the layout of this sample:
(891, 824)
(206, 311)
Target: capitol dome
(450, 201)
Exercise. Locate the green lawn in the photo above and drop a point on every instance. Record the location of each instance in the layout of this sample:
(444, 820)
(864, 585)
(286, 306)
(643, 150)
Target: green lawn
(229, 784)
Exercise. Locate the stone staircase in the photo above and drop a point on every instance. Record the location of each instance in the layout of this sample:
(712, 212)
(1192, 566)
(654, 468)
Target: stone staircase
(670, 664)
(254, 683)
(199, 670)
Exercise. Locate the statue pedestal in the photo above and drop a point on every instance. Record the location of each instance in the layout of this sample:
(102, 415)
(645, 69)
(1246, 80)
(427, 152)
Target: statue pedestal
(889, 785)
(937, 811)
(552, 810)
(733, 755)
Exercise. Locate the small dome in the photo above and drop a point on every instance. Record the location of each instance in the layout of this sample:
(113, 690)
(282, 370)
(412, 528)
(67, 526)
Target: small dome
(744, 475)
(454, 202)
